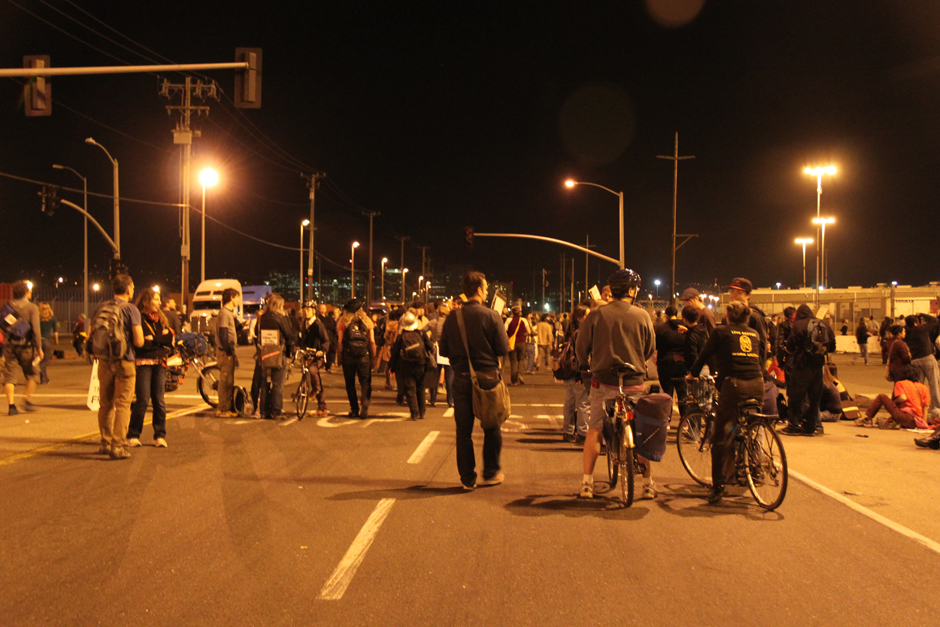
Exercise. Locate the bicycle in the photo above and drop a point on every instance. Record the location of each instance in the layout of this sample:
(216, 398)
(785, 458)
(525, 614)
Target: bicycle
(760, 460)
(622, 462)
(310, 360)
(191, 351)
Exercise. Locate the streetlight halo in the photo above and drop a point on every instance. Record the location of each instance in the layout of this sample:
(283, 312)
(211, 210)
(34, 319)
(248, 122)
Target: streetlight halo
(355, 244)
(570, 183)
(306, 223)
(208, 177)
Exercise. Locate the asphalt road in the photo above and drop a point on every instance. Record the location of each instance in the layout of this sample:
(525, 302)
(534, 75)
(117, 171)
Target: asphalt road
(334, 521)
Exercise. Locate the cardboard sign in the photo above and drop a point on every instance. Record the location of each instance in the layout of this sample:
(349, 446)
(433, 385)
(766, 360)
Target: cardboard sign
(94, 391)
(270, 337)
(595, 293)
(441, 360)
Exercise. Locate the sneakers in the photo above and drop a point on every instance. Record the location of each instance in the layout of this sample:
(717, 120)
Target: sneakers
(321, 413)
(587, 490)
(119, 453)
(160, 443)
(364, 412)
(928, 442)
(29, 406)
(649, 490)
(469, 488)
(14, 411)
(104, 449)
(788, 430)
(863, 421)
(496, 479)
(888, 423)
(715, 496)
(133, 442)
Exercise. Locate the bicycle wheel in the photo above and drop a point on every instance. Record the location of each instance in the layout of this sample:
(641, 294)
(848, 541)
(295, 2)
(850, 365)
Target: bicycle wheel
(627, 467)
(208, 385)
(767, 475)
(302, 395)
(693, 438)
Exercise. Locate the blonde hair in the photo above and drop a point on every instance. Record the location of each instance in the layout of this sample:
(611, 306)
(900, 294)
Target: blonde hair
(276, 303)
(45, 312)
(348, 317)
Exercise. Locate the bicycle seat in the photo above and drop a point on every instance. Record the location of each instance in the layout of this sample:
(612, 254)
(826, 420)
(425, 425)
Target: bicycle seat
(624, 370)
(750, 405)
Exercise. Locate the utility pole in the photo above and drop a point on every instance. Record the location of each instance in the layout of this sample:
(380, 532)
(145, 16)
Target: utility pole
(369, 286)
(183, 136)
(403, 238)
(544, 272)
(573, 302)
(424, 271)
(587, 244)
(561, 285)
(313, 181)
(675, 158)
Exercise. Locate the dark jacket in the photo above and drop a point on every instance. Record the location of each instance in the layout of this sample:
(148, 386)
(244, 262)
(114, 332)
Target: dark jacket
(157, 347)
(780, 348)
(271, 320)
(395, 361)
(316, 336)
(918, 337)
(695, 339)
(736, 350)
(799, 339)
(861, 334)
(670, 343)
(486, 337)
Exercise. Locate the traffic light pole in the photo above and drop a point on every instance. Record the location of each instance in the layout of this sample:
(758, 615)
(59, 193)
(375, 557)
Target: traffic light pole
(554, 241)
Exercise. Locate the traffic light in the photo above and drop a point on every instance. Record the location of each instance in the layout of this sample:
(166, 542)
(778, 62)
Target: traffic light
(117, 267)
(37, 97)
(468, 236)
(50, 199)
(248, 81)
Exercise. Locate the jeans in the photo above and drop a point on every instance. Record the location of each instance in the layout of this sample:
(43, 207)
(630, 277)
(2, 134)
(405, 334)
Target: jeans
(732, 392)
(464, 418)
(927, 370)
(804, 383)
(544, 356)
(577, 406)
(116, 382)
(412, 375)
(226, 381)
(48, 347)
(530, 357)
(271, 399)
(863, 351)
(669, 380)
(150, 388)
(360, 368)
(516, 356)
(448, 385)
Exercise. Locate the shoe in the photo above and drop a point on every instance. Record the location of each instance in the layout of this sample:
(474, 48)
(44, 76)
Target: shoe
(364, 412)
(567, 437)
(863, 421)
(104, 449)
(352, 414)
(469, 488)
(119, 453)
(14, 411)
(788, 430)
(715, 496)
(421, 417)
(587, 490)
(226, 414)
(160, 443)
(888, 423)
(322, 413)
(414, 417)
(928, 442)
(579, 440)
(819, 431)
(133, 442)
(450, 405)
(649, 491)
(29, 406)
(496, 479)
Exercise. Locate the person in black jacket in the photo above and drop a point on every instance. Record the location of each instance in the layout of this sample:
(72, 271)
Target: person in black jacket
(314, 335)
(920, 334)
(695, 338)
(410, 359)
(805, 378)
(150, 364)
(670, 356)
(274, 327)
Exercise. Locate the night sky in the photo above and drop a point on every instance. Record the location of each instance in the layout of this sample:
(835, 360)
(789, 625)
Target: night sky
(446, 114)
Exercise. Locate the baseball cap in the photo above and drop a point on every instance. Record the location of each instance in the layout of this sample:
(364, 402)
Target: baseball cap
(740, 283)
(689, 294)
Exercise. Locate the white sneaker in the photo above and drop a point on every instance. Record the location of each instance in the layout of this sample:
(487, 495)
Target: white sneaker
(160, 443)
(649, 490)
(587, 490)
(133, 442)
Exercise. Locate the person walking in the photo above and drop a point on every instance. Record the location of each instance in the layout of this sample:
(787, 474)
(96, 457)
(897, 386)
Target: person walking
(226, 339)
(546, 338)
(531, 343)
(316, 337)
(116, 323)
(577, 407)
(517, 328)
(861, 336)
(79, 335)
(357, 343)
(276, 344)
(22, 345)
(48, 326)
(410, 358)
(326, 317)
(809, 341)
(487, 341)
(670, 356)
(443, 365)
(150, 363)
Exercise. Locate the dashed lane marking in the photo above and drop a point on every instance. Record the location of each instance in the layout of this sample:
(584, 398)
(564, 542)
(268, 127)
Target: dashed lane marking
(287, 422)
(449, 412)
(423, 448)
(336, 585)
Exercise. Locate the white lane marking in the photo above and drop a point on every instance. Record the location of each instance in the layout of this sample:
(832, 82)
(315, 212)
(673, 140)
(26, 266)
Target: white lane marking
(538, 404)
(242, 422)
(325, 422)
(336, 585)
(551, 419)
(367, 422)
(422, 449)
(861, 509)
(449, 412)
(287, 422)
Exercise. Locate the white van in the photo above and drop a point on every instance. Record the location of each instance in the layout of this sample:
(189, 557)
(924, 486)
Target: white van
(208, 300)
(252, 301)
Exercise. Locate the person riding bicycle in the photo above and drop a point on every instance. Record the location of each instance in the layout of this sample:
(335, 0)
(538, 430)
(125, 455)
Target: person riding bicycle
(737, 349)
(315, 336)
(613, 335)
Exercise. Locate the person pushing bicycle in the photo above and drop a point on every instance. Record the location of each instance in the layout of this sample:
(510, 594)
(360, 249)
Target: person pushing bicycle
(737, 348)
(616, 334)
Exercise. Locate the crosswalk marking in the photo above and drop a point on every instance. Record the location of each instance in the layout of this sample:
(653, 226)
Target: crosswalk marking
(423, 448)
(336, 585)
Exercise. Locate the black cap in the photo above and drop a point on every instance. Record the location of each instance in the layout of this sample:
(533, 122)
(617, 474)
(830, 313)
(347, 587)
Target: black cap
(740, 283)
(689, 294)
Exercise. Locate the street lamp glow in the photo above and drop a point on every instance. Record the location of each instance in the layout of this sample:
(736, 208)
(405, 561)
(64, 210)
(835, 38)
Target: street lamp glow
(384, 259)
(306, 222)
(823, 221)
(355, 245)
(569, 183)
(829, 169)
(29, 284)
(156, 288)
(96, 287)
(208, 177)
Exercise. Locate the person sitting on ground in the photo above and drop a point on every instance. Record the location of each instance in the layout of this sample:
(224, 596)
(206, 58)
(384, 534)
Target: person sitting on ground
(830, 402)
(906, 405)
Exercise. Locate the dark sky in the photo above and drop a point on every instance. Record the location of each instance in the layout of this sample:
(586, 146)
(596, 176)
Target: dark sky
(445, 114)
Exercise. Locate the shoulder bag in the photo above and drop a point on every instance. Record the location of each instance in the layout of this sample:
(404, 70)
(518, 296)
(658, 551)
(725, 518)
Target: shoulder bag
(491, 406)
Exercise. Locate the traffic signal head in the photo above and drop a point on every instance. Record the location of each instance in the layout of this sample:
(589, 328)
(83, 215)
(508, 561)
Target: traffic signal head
(50, 198)
(248, 81)
(468, 236)
(37, 97)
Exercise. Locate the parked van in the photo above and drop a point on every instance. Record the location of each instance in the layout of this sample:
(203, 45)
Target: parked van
(252, 301)
(206, 304)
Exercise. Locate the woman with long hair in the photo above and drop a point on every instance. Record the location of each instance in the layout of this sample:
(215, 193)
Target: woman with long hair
(150, 360)
(50, 338)
(274, 326)
(357, 345)
(437, 327)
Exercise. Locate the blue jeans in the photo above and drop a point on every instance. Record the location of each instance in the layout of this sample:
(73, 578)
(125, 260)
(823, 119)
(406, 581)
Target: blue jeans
(464, 419)
(577, 406)
(150, 388)
(530, 357)
(448, 385)
(271, 400)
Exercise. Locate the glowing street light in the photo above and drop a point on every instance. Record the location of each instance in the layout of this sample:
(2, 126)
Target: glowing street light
(656, 283)
(352, 264)
(404, 271)
(382, 282)
(804, 241)
(302, 225)
(208, 177)
(822, 222)
(96, 287)
(818, 173)
(571, 183)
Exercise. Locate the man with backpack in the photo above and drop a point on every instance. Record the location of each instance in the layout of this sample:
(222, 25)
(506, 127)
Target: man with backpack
(410, 358)
(114, 332)
(357, 345)
(809, 342)
(22, 345)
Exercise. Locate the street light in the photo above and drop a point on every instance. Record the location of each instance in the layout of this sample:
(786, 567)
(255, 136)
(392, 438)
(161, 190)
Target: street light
(822, 222)
(85, 279)
(208, 177)
(352, 264)
(818, 173)
(96, 287)
(382, 282)
(404, 271)
(656, 283)
(302, 225)
(571, 183)
(804, 241)
(427, 292)
(117, 195)
(420, 283)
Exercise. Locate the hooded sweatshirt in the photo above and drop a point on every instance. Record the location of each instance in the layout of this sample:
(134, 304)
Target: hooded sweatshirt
(799, 340)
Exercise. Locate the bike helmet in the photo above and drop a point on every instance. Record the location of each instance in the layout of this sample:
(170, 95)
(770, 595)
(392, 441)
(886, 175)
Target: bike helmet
(625, 277)
(310, 304)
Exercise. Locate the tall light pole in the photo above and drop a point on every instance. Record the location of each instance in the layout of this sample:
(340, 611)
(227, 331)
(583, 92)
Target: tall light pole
(822, 222)
(352, 264)
(85, 278)
(117, 195)
(675, 158)
(804, 241)
(382, 282)
(570, 184)
(208, 177)
(818, 173)
(656, 283)
(302, 225)
(404, 271)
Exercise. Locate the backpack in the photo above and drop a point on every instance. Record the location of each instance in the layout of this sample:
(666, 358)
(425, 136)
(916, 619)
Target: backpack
(108, 336)
(565, 362)
(412, 348)
(15, 327)
(356, 339)
(818, 337)
(270, 348)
